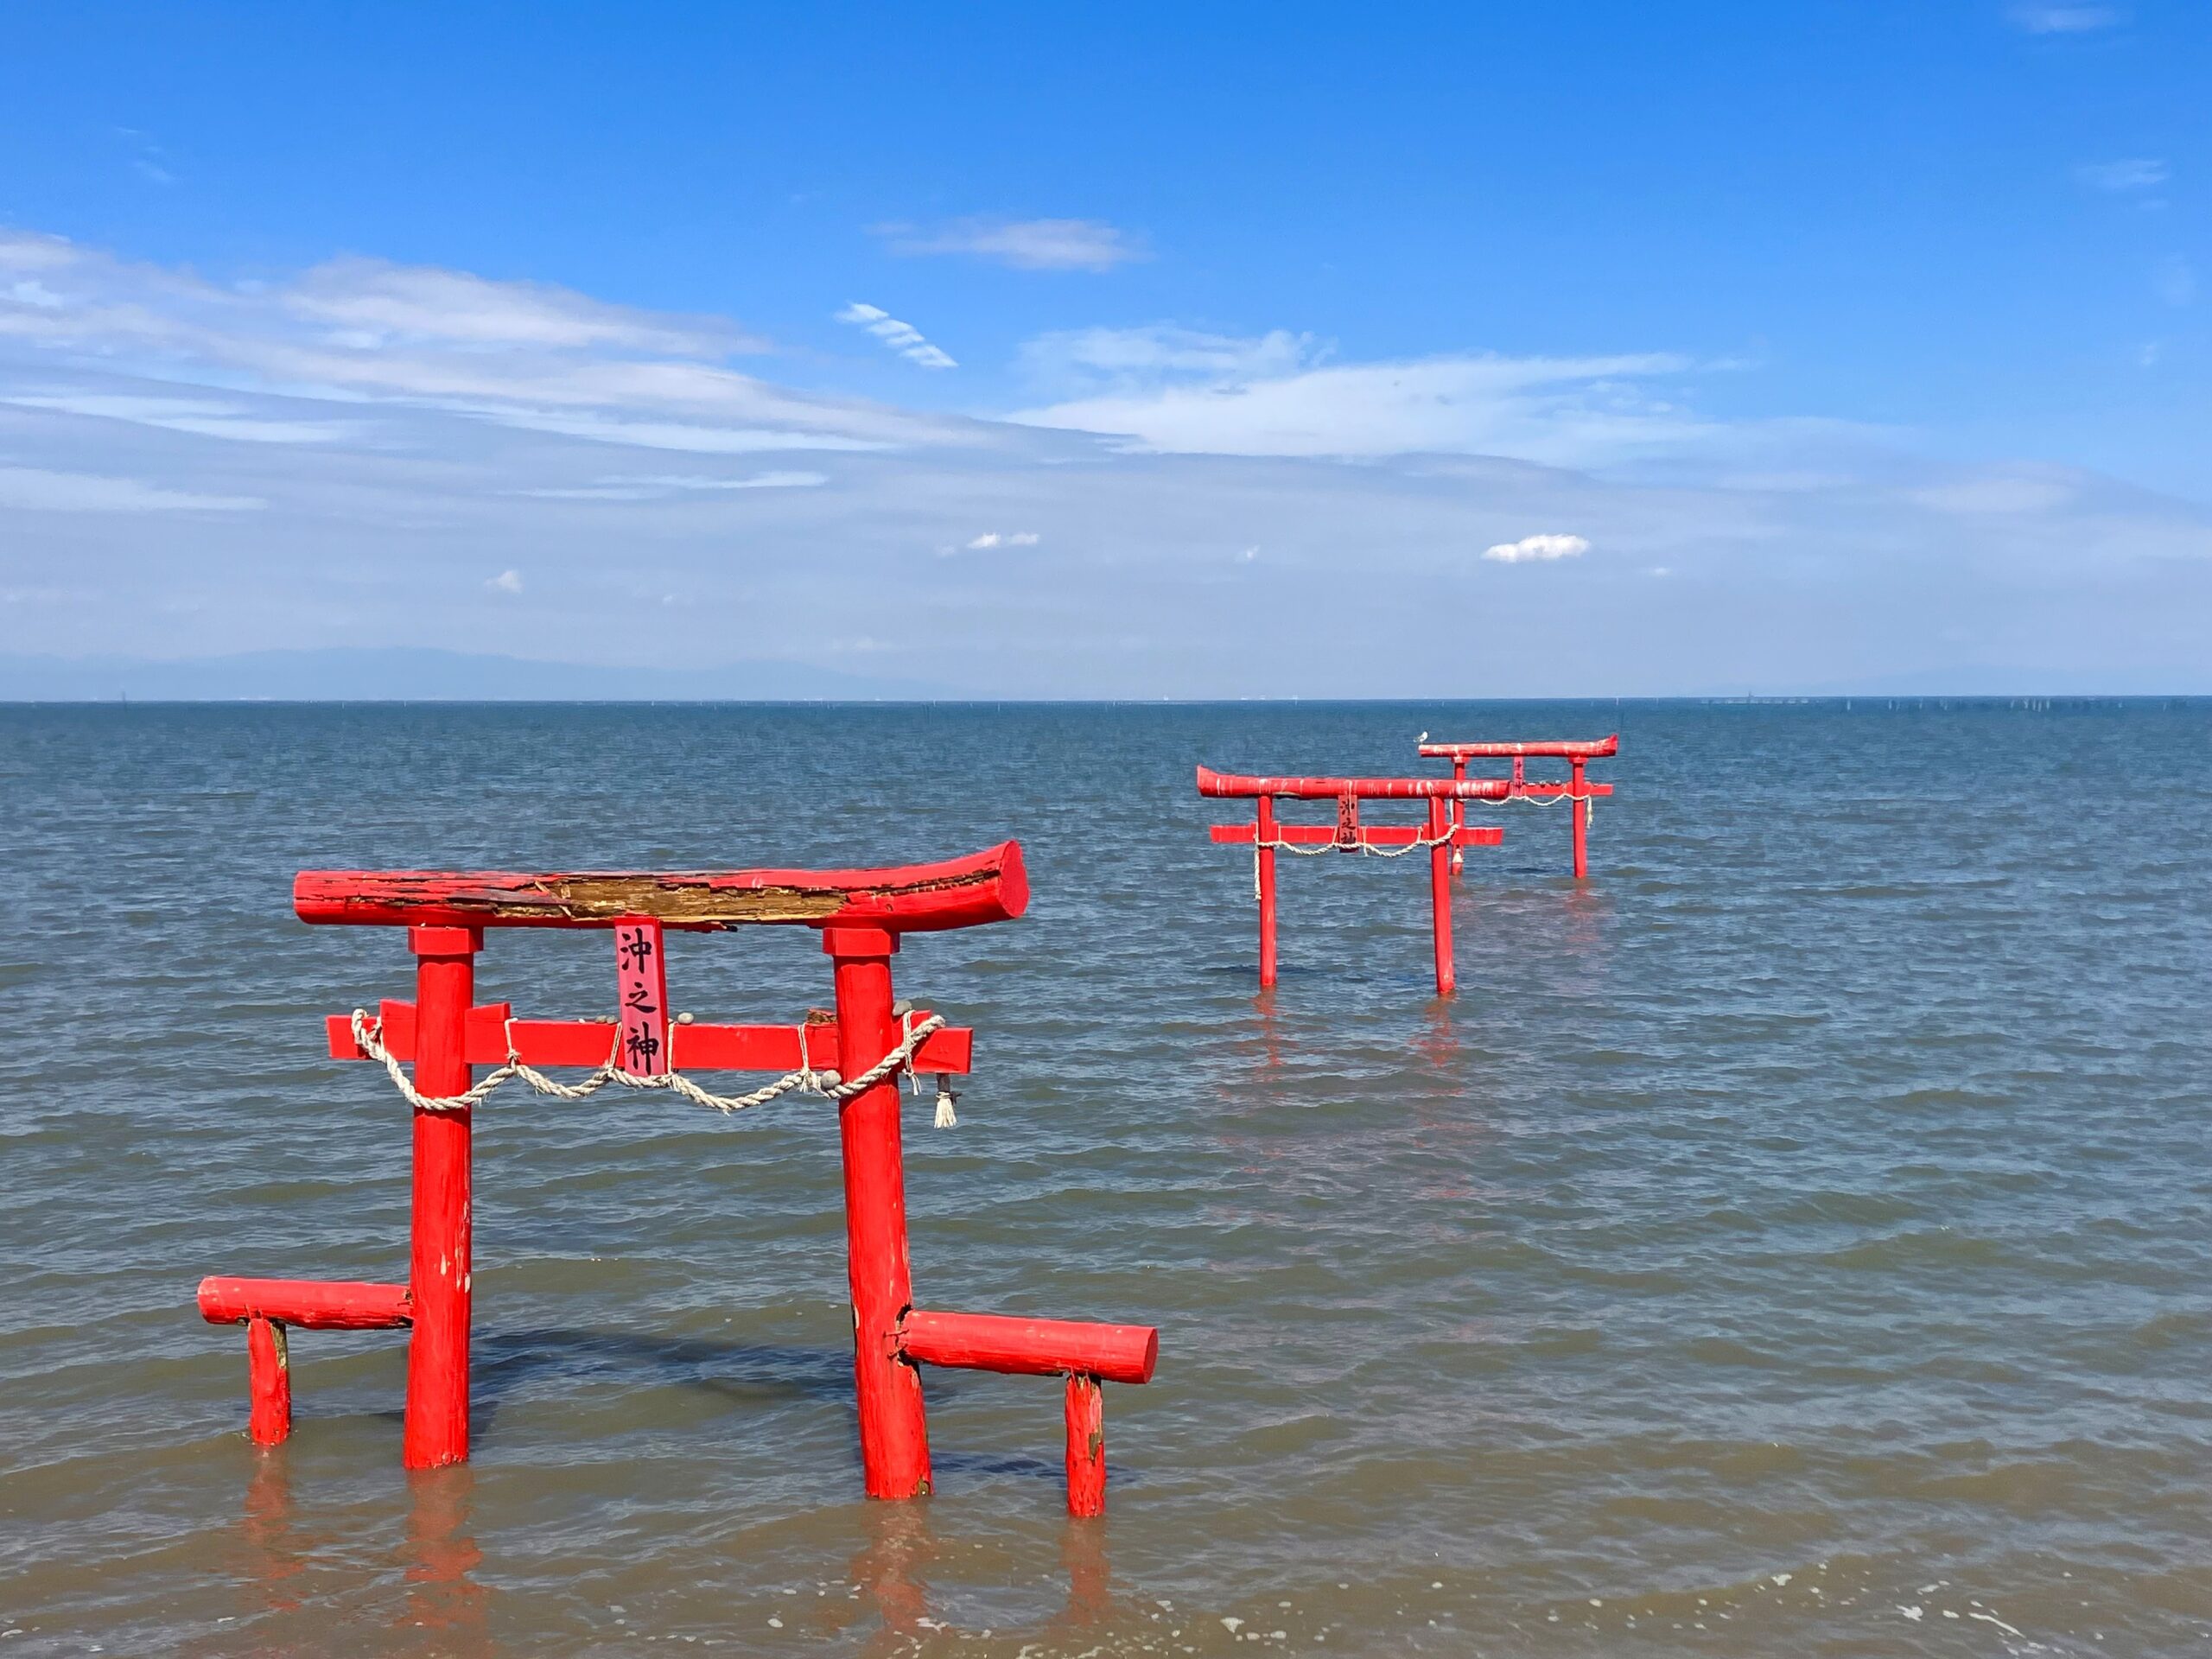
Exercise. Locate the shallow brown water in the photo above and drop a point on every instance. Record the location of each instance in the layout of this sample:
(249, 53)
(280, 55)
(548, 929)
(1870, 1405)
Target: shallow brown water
(1795, 1240)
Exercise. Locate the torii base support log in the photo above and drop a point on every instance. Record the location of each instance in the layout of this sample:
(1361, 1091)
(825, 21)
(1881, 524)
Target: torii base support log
(266, 1307)
(1083, 1352)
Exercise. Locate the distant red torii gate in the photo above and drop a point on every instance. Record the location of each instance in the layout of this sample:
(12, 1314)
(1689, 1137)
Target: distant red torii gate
(861, 915)
(1445, 832)
(1577, 791)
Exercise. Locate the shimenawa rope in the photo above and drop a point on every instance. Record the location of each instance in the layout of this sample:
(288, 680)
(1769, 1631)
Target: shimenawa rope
(1418, 843)
(827, 1084)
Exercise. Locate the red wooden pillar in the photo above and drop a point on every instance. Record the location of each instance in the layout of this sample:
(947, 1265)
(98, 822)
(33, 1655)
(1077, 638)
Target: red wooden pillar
(268, 1382)
(1265, 854)
(1580, 808)
(1086, 1414)
(438, 1268)
(1439, 893)
(894, 1435)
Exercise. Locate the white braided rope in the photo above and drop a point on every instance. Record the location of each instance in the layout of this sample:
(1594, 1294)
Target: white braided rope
(1554, 793)
(1418, 843)
(827, 1084)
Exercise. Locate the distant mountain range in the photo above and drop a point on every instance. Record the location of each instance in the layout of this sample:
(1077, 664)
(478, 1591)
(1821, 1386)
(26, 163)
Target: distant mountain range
(399, 674)
(393, 674)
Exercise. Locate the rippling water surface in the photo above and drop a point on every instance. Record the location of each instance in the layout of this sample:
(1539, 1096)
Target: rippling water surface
(1798, 1238)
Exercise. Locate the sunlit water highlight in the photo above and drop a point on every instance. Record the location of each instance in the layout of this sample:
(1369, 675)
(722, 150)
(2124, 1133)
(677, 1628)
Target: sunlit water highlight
(1795, 1240)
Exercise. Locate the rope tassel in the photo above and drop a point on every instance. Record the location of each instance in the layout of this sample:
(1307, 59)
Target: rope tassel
(946, 1119)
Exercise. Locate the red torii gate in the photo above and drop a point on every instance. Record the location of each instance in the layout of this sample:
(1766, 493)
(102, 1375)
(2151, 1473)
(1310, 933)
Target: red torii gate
(861, 915)
(1445, 831)
(1577, 791)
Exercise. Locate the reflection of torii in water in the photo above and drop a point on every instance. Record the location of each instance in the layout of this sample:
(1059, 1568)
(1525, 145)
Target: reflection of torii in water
(890, 1572)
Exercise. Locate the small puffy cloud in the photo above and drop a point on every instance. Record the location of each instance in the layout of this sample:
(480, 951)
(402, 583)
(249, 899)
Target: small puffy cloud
(2066, 20)
(1025, 244)
(900, 337)
(2120, 178)
(991, 538)
(1529, 547)
(508, 582)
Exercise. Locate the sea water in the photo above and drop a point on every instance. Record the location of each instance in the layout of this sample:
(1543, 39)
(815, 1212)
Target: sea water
(1795, 1238)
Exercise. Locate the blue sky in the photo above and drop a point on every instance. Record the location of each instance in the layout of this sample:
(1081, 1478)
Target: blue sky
(1143, 351)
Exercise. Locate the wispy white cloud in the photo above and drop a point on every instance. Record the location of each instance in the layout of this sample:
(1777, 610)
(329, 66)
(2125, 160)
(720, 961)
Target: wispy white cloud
(360, 331)
(900, 337)
(991, 538)
(370, 303)
(756, 481)
(2066, 19)
(508, 582)
(1277, 394)
(36, 250)
(1094, 359)
(1025, 244)
(687, 437)
(2013, 490)
(36, 489)
(146, 158)
(661, 487)
(203, 417)
(2174, 279)
(2123, 177)
(1537, 549)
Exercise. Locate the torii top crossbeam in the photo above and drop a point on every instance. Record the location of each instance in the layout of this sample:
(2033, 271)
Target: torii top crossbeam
(986, 886)
(1236, 786)
(1576, 789)
(1563, 748)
